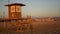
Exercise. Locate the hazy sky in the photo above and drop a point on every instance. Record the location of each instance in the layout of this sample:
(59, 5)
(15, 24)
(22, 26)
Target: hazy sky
(37, 8)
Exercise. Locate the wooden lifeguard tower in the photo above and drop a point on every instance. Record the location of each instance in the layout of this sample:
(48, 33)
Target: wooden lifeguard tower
(14, 11)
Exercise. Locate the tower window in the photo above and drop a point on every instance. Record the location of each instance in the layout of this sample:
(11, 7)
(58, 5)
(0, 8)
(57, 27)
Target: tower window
(12, 8)
(18, 9)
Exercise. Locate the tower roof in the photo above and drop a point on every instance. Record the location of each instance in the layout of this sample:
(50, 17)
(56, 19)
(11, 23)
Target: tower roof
(15, 4)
